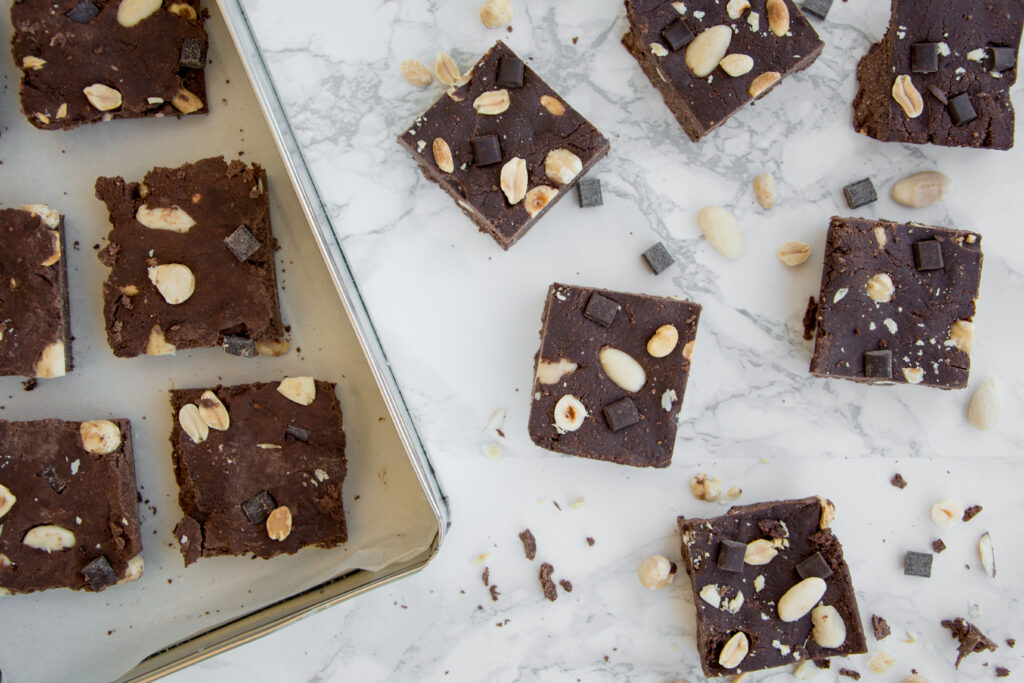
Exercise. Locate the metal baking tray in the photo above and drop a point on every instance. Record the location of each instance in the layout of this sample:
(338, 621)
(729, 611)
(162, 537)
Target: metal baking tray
(320, 301)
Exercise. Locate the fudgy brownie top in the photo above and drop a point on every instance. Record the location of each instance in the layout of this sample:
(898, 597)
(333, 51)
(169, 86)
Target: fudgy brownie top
(897, 303)
(180, 276)
(67, 505)
(92, 60)
(35, 339)
(260, 468)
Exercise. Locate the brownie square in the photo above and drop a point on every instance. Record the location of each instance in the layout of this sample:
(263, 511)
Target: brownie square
(35, 328)
(611, 373)
(468, 149)
(885, 315)
(180, 276)
(965, 90)
(259, 468)
(68, 506)
(785, 535)
(85, 61)
(703, 101)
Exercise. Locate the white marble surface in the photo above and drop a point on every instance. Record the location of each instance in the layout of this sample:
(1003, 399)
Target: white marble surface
(459, 319)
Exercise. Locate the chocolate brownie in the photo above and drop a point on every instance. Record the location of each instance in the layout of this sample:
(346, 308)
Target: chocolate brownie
(85, 61)
(785, 596)
(611, 373)
(708, 59)
(504, 145)
(35, 332)
(952, 65)
(971, 638)
(68, 506)
(259, 467)
(192, 260)
(897, 303)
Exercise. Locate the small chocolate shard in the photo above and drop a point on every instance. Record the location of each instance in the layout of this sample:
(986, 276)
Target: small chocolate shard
(242, 243)
(296, 433)
(236, 345)
(259, 507)
(83, 12)
(730, 555)
(99, 574)
(50, 476)
(898, 481)
(193, 54)
(971, 639)
(546, 584)
(810, 318)
(529, 544)
(850, 673)
(880, 627)
(815, 565)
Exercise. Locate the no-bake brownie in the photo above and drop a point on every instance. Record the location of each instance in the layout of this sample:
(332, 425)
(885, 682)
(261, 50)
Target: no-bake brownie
(611, 373)
(770, 586)
(708, 59)
(897, 303)
(85, 61)
(192, 260)
(942, 74)
(260, 468)
(68, 506)
(35, 332)
(504, 145)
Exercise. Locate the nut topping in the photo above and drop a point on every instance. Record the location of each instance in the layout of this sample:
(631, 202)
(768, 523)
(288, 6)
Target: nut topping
(136, 565)
(55, 256)
(100, 437)
(798, 600)
(622, 369)
(707, 49)
(549, 372)
(913, 375)
(794, 253)
(922, 189)
(446, 70)
(443, 155)
(279, 523)
(562, 166)
(765, 190)
(658, 50)
(907, 96)
(778, 17)
(49, 538)
(552, 104)
(492, 102)
(763, 82)
(32, 62)
(166, 218)
(721, 230)
(416, 73)
(213, 412)
(706, 488)
(663, 342)
(157, 345)
(301, 390)
(7, 500)
(828, 630)
(736, 8)
(828, 513)
(880, 288)
(186, 102)
(947, 512)
(569, 414)
(50, 217)
(131, 12)
(760, 552)
(734, 651)
(103, 97)
(514, 179)
(737, 64)
(538, 198)
(656, 572)
(987, 555)
(51, 362)
(688, 349)
(193, 424)
(182, 9)
(986, 406)
(497, 13)
(961, 335)
(174, 281)
(273, 347)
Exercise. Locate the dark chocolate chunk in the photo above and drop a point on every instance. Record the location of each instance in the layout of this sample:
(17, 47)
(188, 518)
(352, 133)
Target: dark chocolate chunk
(961, 110)
(898, 481)
(924, 58)
(49, 474)
(621, 414)
(259, 507)
(860, 193)
(193, 54)
(938, 545)
(83, 12)
(1002, 58)
(486, 150)
(242, 243)
(99, 574)
(510, 72)
(971, 512)
(237, 345)
(939, 95)
(917, 564)
(880, 626)
(529, 544)
(818, 8)
(601, 310)
(878, 364)
(297, 433)
(928, 255)
(658, 258)
(546, 584)
(589, 191)
(730, 555)
(971, 639)
(677, 35)
(815, 565)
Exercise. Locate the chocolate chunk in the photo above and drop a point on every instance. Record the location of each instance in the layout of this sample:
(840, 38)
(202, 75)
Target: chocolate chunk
(297, 433)
(658, 258)
(237, 345)
(878, 364)
(961, 110)
(546, 584)
(83, 12)
(730, 555)
(49, 474)
(928, 255)
(850, 673)
(815, 565)
(242, 243)
(601, 310)
(486, 150)
(898, 481)
(677, 35)
(939, 95)
(193, 54)
(880, 627)
(818, 8)
(258, 508)
(924, 58)
(1002, 672)
(99, 574)
(566, 585)
(860, 193)
(810, 320)
(971, 512)
(1002, 58)
(971, 639)
(510, 72)
(529, 544)
(917, 564)
(589, 192)
(621, 414)
(823, 663)
(938, 545)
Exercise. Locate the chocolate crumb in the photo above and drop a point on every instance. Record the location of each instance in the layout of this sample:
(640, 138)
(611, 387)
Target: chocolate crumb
(898, 481)
(971, 512)
(810, 318)
(494, 593)
(880, 626)
(938, 545)
(1012, 642)
(1002, 672)
(487, 576)
(772, 528)
(823, 663)
(529, 544)
(566, 585)
(850, 673)
(30, 384)
(971, 639)
(546, 584)
(590, 540)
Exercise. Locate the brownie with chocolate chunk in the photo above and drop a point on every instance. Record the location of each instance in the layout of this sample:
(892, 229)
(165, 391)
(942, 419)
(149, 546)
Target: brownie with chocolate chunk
(760, 611)
(260, 468)
(68, 506)
(897, 303)
(35, 329)
(191, 255)
(611, 373)
(504, 145)
(709, 59)
(942, 75)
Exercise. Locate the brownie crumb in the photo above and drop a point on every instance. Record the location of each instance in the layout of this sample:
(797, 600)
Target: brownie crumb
(850, 673)
(898, 481)
(494, 592)
(1002, 672)
(772, 528)
(880, 626)
(590, 540)
(546, 584)
(1012, 642)
(529, 544)
(971, 639)
(486, 576)
(938, 545)
(810, 318)
(555, 503)
(971, 512)
(566, 585)
(30, 384)
(823, 663)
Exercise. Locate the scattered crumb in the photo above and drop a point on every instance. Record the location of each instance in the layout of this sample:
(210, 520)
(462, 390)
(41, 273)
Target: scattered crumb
(850, 673)
(971, 512)
(971, 639)
(810, 318)
(1012, 642)
(29, 384)
(486, 576)
(546, 584)
(494, 593)
(938, 545)
(555, 503)
(1002, 672)
(823, 663)
(566, 585)
(591, 542)
(495, 421)
(577, 504)
(880, 662)
(493, 450)
(481, 558)
(733, 493)
(880, 626)
(898, 481)
(575, 39)
(529, 544)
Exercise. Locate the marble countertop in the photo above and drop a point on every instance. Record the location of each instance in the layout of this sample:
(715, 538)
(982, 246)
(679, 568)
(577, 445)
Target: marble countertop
(459, 319)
